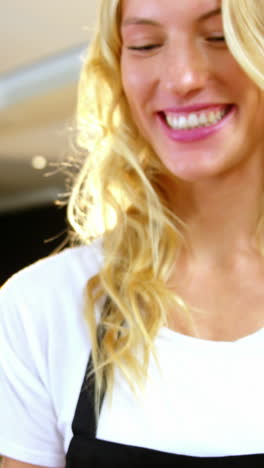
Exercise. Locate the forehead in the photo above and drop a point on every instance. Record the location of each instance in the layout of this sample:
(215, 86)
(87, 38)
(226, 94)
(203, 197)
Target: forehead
(173, 10)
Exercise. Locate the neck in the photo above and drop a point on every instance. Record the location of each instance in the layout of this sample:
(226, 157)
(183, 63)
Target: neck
(222, 214)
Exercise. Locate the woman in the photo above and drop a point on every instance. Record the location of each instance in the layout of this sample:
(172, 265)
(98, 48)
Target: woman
(171, 109)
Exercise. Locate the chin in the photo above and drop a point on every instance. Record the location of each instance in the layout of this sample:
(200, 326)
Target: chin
(195, 167)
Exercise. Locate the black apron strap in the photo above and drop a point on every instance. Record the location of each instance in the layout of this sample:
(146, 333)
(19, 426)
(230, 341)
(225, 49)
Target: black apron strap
(83, 425)
(84, 422)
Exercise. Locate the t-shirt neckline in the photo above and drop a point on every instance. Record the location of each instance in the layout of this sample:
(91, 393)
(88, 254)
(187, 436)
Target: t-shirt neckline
(166, 332)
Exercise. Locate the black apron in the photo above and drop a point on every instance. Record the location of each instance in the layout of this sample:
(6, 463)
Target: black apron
(85, 451)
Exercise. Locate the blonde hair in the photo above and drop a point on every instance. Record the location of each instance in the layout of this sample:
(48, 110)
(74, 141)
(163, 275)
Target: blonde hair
(244, 30)
(121, 181)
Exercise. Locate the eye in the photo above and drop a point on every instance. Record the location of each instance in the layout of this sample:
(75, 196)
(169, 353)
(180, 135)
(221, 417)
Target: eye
(144, 48)
(216, 39)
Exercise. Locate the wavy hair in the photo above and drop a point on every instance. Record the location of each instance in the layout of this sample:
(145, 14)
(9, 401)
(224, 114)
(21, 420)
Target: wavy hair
(120, 182)
(244, 31)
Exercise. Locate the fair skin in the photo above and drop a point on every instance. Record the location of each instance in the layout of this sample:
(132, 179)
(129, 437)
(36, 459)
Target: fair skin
(173, 57)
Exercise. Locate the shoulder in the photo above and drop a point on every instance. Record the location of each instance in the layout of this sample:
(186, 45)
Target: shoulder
(54, 276)
(43, 304)
(83, 259)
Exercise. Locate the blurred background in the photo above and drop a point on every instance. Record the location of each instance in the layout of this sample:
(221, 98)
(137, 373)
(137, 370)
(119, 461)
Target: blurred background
(41, 51)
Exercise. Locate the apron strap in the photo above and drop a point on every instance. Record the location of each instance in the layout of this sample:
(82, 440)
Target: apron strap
(84, 422)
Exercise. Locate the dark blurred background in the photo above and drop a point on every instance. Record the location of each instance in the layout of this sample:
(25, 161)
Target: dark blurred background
(29, 235)
(41, 51)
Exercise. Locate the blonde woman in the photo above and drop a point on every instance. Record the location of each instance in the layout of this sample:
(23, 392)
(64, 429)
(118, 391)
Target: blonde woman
(144, 345)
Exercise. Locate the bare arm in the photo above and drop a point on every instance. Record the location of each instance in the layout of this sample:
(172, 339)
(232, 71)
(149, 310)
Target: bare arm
(10, 463)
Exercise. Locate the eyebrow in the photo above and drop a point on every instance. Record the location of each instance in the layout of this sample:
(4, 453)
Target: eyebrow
(215, 12)
(134, 20)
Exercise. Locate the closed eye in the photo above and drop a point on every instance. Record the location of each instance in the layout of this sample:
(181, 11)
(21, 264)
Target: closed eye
(144, 48)
(216, 39)
(149, 47)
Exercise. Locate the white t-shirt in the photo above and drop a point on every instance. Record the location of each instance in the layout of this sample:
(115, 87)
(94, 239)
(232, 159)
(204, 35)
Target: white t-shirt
(206, 399)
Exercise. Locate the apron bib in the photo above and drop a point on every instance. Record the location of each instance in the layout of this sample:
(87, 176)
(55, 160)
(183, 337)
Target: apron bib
(86, 451)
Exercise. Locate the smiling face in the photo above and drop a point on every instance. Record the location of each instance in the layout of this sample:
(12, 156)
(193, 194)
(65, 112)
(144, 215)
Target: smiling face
(188, 96)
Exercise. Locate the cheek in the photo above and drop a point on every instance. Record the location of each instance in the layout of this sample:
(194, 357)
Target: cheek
(248, 96)
(261, 105)
(257, 118)
(134, 86)
(136, 90)
(238, 82)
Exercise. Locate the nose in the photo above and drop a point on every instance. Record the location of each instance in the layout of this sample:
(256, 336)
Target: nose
(185, 71)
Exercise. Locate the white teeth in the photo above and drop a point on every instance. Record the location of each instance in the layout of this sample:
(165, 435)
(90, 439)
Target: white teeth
(194, 120)
(212, 117)
(181, 122)
(203, 119)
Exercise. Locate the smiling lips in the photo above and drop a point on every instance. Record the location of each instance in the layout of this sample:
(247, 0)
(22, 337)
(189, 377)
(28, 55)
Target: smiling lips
(203, 117)
(194, 123)
(194, 120)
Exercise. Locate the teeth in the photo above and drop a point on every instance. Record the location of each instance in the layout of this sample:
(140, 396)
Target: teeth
(181, 122)
(212, 117)
(203, 119)
(194, 120)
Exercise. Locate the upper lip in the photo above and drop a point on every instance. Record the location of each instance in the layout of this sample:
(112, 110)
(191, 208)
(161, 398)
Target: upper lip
(194, 107)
